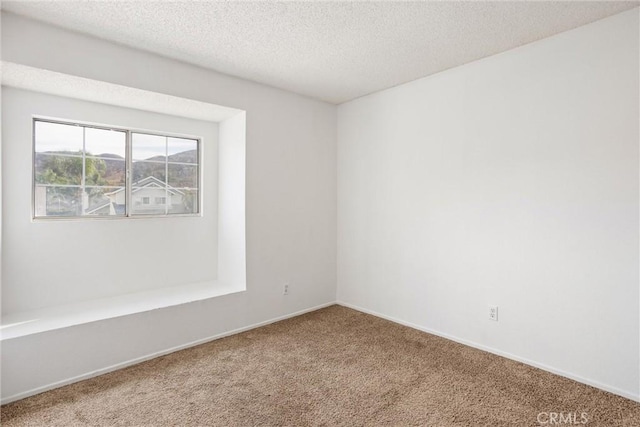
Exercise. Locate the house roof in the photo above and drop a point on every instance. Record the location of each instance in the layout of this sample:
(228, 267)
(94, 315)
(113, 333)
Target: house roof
(147, 182)
(118, 208)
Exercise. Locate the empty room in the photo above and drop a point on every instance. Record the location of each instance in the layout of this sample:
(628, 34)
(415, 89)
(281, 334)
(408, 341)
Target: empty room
(315, 213)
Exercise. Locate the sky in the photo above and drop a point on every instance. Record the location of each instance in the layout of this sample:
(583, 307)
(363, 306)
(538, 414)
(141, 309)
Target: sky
(61, 137)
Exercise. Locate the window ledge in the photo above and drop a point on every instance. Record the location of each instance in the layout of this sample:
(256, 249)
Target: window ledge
(36, 321)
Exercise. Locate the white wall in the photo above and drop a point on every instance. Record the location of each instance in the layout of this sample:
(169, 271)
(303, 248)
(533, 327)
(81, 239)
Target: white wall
(510, 181)
(290, 210)
(231, 220)
(50, 263)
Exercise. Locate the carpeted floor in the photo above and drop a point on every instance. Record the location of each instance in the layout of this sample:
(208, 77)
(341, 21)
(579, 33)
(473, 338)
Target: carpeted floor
(335, 366)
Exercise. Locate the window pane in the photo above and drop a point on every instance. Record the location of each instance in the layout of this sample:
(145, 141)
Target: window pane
(183, 176)
(105, 143)
(58, 201)
(61, 170)
(146, 172)
(105, 201)
(148, 147)
(183, 201)
(183, 150)
(57, 138)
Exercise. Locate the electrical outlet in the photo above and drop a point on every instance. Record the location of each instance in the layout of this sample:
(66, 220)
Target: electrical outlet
(285, 289)
(493, 312)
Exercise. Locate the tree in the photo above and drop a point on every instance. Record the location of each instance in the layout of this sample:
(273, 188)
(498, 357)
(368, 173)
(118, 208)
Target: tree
(66, 170)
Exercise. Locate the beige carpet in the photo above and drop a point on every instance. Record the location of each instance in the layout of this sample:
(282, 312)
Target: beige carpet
(331, 367)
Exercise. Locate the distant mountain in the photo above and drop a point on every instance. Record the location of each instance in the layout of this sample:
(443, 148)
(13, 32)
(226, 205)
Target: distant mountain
(190, 156)
(179, 175)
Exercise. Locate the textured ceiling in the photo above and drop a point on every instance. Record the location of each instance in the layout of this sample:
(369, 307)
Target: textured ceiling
(333, 51)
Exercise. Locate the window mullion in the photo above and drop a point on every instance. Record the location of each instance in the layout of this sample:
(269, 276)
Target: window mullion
(166, 176)
(128, 174)
(83, 181)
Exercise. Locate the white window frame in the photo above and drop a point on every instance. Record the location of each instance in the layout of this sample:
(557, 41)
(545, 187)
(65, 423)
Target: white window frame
(128, 171)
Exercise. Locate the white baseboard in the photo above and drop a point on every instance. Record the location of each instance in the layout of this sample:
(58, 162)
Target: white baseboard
(137, 360)
(542, 366)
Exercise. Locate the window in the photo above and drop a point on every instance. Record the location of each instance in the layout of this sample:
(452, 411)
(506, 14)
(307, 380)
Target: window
(93, 171)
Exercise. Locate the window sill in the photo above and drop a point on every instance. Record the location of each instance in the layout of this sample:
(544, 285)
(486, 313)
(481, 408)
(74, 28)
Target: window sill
(47, 319)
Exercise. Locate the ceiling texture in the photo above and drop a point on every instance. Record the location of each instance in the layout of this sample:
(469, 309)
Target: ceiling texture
(332, 51)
